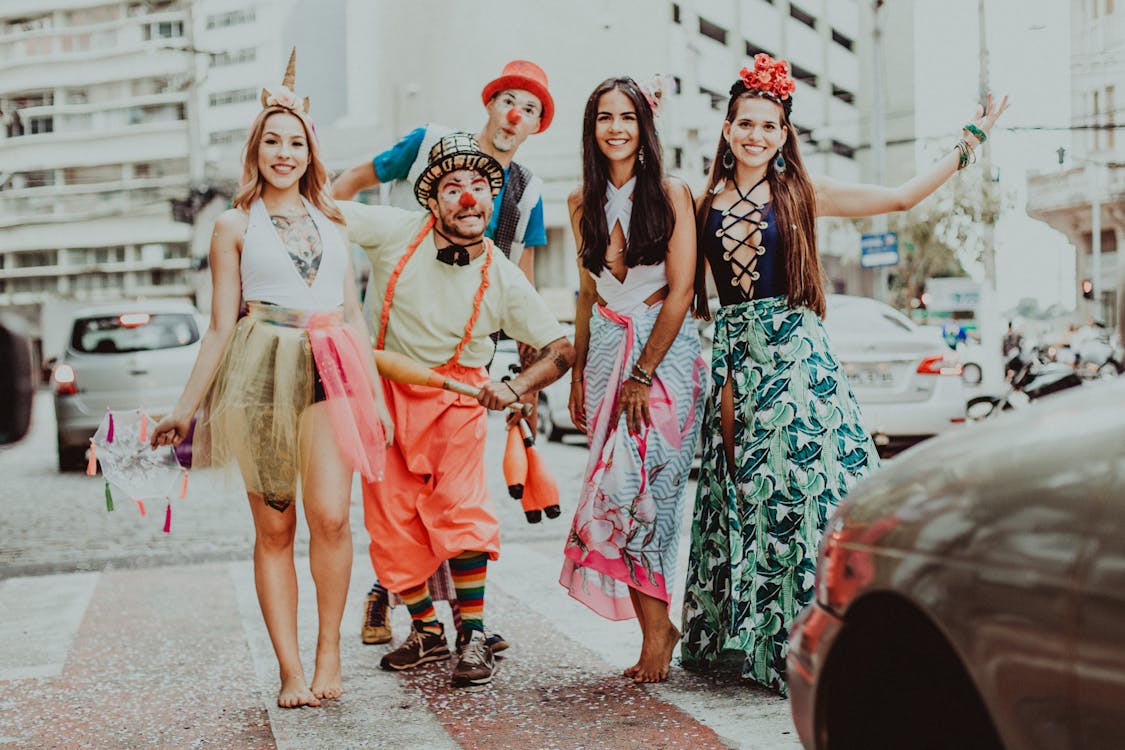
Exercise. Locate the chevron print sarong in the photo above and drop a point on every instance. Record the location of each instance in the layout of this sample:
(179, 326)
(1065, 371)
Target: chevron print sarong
(799, 446)
(627, 522)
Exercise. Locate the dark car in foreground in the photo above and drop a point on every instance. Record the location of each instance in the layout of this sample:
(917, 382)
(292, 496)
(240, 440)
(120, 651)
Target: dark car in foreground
(972, 593)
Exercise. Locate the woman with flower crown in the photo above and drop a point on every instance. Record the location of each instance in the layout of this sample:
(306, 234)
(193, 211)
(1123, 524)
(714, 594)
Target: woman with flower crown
(783, 438)
(636, 383)
(291, 388)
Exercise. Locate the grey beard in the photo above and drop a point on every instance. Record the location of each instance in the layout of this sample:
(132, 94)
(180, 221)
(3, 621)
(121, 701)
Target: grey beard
(502, 142)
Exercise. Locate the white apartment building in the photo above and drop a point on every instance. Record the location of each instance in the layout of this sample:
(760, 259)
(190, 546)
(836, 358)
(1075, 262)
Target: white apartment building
(93, 146)
(1094, 172)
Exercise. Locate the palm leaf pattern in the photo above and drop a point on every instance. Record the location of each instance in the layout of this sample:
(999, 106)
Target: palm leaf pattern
(800, 445)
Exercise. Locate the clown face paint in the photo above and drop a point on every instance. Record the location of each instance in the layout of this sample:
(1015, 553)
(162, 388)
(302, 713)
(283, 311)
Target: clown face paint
(462, 205)
(513, 115)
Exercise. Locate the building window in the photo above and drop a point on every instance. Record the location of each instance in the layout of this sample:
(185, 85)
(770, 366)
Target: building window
(712, 31)
(246, 55)
(804, 135)
(36, 125)
(677, 158)
(234, 18)
(717, 99)
(1110, 115)
(163, 30)
(802, 75)
(706, 165)
(843, 94)
(804, 17)
(678, 84)
(843, 149)
(675, 13)
(233, 96)
(223, 137)
(842, 40)
(753, 49)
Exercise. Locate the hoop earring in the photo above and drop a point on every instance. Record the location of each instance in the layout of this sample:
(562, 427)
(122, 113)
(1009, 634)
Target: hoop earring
(728, 161)
(779, 163)
(641, 157)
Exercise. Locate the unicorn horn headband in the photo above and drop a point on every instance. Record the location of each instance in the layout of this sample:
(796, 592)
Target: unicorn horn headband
(284, 96)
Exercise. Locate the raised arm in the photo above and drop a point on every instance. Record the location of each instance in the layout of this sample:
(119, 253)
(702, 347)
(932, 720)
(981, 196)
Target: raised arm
(226, 296)
(834, 198)
(354, 179)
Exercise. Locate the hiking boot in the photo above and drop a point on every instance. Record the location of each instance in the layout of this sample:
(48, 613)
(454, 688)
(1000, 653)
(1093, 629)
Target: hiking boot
(376, 627)
(420, 647)
(475, 666)
(495, 641)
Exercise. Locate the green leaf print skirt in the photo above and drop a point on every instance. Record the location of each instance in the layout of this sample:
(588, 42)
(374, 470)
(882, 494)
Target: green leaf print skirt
(799, 446)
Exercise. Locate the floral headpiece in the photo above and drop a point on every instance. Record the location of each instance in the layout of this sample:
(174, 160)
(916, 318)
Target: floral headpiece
(283, 96)
(769, 78)
(656, 90)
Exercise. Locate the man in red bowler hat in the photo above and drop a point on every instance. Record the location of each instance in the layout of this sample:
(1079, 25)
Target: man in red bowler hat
(518, 103)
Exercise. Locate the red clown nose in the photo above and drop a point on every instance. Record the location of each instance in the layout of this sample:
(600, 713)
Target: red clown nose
(514, 116)
(467, 199)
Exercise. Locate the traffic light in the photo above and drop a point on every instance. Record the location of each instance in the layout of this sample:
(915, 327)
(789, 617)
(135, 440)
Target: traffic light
(1087, 288)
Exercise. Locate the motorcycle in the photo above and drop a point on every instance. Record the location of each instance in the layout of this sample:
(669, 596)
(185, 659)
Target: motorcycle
(1030, 377)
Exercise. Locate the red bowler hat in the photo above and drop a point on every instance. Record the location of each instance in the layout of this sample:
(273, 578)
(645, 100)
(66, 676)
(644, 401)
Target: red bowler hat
(522, 74)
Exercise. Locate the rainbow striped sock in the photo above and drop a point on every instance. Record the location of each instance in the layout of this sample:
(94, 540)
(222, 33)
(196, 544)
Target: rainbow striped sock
(421, 607)
(469, 570)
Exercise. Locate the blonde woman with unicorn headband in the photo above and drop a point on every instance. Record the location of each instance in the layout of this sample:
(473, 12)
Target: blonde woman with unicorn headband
(290, 391)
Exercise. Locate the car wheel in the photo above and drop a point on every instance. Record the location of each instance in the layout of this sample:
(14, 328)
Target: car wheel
(892, 680)
(981, 407)
(971, 374)
(71, 457)
(546, 424)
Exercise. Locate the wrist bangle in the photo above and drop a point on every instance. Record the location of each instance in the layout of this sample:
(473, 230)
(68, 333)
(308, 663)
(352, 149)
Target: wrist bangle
(641, 380)
(980, 134)
(642, 371)
(513, 390)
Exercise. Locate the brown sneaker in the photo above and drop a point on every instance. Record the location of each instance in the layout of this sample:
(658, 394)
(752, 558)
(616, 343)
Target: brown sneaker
(376, 627)
(475, 666)
(419, 648)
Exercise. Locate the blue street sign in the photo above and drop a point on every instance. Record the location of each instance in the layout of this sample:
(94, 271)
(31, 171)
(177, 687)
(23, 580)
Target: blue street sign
(878, 250)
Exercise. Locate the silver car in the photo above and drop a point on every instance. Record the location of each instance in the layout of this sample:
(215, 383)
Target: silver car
(122, 356)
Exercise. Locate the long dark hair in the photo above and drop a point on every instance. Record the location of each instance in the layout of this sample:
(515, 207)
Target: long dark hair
(653, 217)
(794, 211)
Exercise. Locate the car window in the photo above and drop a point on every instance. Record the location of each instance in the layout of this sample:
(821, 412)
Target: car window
(133, 332)
(861, 318)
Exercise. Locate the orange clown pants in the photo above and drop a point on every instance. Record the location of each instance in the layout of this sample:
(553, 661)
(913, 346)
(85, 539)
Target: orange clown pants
(433, 502)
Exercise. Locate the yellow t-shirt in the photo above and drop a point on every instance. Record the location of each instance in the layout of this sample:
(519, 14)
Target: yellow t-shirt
(433, 301)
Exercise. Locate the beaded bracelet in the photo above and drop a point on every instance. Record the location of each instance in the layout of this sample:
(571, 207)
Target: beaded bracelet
(643, 381)
(980, 135)
(643, 372)
(965, 155)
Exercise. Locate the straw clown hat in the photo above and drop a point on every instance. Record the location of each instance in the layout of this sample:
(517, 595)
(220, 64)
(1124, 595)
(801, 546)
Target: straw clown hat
(452, 153)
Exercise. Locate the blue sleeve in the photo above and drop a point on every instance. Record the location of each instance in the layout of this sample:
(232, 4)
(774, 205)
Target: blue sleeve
(536, 233)
(394, 163)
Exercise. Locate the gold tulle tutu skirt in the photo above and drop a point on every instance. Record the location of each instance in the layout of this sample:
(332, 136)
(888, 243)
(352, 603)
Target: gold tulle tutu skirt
(278, 363)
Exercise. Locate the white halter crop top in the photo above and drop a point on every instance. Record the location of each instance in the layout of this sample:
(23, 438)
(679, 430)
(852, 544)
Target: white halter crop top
(641, 282)
(268, 273)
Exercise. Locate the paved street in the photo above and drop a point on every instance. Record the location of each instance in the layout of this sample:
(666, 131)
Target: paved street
(116, 635)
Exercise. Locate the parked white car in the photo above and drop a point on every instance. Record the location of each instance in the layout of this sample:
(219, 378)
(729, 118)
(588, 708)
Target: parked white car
(907, 382)
(121, 356)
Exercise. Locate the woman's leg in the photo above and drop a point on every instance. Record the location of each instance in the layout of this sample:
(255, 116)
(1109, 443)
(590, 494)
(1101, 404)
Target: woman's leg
(726, 420)
(660, 637)
(275, 579)
(326, 482)
(635, 597)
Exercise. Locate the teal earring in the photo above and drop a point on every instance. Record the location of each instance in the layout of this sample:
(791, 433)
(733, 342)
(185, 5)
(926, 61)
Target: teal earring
(779, 163)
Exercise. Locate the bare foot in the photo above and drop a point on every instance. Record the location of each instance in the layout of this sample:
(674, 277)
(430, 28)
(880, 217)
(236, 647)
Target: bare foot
(656, 654)
(327, 683)
(294, 693)
(632, 671)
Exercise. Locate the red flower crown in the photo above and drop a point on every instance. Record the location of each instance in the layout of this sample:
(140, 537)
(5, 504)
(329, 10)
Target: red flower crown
(769, 77)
